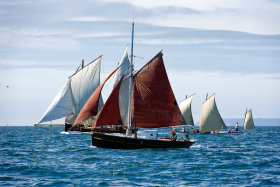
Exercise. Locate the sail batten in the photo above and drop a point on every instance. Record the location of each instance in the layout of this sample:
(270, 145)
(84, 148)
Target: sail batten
(210, 118)
(248, 123)
(185, 107)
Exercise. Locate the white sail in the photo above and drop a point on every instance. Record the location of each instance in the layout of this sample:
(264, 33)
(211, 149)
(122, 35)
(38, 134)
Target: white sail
(185, 107)
(210, 118)
(123, 101)
(71, 99)
(124, 67)
(61, 106)
(248, 123)
(84, 83)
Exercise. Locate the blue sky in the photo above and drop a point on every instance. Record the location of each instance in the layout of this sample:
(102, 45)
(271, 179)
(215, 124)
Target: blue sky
(231, 48)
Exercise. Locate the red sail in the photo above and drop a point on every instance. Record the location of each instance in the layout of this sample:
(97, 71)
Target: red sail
(153, 102)
(110, 113)
(91, 106)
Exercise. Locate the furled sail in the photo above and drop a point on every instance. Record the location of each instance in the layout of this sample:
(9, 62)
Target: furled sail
(249, 123)
(91, 107)
(71, 99)
(110, 113)
(61, 105)
(185, 107)
(153, 102)
(124, 65)
(210, 118)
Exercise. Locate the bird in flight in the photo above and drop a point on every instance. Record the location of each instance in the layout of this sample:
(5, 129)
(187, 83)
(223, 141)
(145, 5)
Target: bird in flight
(7, 86)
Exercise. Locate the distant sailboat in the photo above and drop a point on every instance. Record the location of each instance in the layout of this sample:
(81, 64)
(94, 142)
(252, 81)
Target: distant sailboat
(142, 100)
(248, 121)
(248, 124)
(210, 118)
(185, 107)
(73, 96)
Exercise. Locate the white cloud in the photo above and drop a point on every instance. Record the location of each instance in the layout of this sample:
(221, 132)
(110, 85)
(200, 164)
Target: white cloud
(177, 42)
(253, 16)
(100, 34)
(88, 18)
(30, 41)
(248, 48)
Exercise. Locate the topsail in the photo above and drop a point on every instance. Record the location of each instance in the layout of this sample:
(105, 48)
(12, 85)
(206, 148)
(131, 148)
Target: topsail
(124, 65)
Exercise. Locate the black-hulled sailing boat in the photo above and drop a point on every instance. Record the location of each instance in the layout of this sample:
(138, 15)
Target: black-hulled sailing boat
(141, 100)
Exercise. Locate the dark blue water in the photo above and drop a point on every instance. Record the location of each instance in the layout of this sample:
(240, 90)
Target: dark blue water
(41, 156)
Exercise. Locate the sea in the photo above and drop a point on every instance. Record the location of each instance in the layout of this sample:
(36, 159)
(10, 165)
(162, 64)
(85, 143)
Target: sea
(42, 156)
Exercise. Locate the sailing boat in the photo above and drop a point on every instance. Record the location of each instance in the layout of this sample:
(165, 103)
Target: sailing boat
(210, 118)
(185, 108)
(144, 99)
(248, 121)
(73, 96)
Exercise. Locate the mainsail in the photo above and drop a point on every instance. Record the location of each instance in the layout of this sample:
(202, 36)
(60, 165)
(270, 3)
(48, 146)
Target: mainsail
(248, 123)
(153, 101)
(73, 96)
(210, 118)
(185, 107)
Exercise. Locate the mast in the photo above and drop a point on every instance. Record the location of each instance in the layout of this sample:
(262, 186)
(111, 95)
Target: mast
(128, 132)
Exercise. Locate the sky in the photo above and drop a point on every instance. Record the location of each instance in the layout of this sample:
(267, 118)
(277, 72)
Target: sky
(230, 48)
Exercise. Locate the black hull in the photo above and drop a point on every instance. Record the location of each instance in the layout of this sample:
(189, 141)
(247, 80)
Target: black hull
(69, 127)
(81, 128)
(117, 142)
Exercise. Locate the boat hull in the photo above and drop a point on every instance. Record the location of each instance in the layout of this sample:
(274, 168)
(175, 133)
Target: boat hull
(118, 142)
(231, 133)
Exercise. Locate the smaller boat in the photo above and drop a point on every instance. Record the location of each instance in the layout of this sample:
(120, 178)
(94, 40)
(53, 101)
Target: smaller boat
(185, 107)
(248, 121)
(248, 124)
(210, 118)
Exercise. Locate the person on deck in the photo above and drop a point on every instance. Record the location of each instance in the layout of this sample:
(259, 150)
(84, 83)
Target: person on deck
(186, 138)
(197, 131)
(228, 131)
(184, 129)
(192, 130)
(236, 127)
(173, 136)
(231, 129)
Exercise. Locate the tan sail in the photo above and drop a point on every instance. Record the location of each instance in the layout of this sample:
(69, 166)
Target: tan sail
(185, 107)
(210, 118)
(249, 123)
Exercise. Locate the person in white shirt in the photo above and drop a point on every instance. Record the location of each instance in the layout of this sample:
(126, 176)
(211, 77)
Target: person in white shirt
(236, 127)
